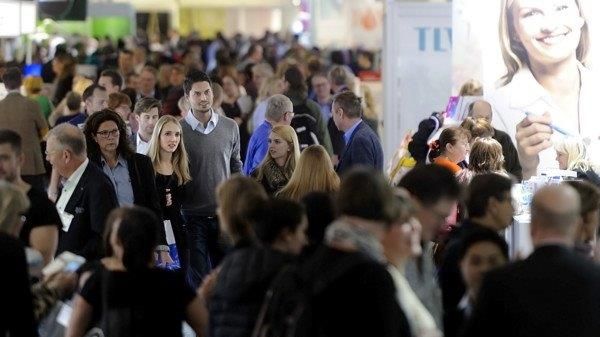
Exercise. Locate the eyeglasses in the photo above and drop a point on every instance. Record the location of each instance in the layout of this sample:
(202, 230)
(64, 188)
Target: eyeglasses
(108, 133)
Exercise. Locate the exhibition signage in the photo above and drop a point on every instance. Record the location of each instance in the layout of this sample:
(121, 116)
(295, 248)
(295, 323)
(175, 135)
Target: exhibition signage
(417, 74)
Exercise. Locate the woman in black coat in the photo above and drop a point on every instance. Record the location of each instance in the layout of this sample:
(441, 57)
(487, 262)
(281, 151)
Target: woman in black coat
(131, 173)
(261, 249)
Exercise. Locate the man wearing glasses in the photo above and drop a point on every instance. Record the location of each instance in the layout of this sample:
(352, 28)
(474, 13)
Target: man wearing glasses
(435, 192)
(279, 112)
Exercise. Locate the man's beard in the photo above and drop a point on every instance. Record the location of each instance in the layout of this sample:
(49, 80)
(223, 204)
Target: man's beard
(203, 110)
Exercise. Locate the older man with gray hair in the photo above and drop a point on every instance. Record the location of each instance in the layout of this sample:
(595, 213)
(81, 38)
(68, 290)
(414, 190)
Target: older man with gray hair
(554, 292)
(87, 195)
(280, 111)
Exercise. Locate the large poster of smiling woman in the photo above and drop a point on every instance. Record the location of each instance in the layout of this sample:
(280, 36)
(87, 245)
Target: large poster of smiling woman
(547, 90)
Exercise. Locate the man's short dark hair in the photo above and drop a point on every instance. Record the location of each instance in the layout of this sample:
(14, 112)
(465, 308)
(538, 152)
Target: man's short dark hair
(89, 91)
(350, 103)
(115, 77)
(283, 215)
(366, 194)
(430, 184)
(296, 80)
(12, 138)
(482, 235)
(194, 76)
(73, 101)
(482, 188)
(12, 78)
(145, 104)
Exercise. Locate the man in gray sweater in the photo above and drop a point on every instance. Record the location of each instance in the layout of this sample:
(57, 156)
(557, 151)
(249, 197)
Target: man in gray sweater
(213, 146)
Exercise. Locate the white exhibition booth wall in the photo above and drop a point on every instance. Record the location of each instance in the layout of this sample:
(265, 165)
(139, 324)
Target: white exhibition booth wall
(417, 66)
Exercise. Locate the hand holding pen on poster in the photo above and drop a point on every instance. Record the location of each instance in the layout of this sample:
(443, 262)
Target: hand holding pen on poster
(555, 128)
(533, 136)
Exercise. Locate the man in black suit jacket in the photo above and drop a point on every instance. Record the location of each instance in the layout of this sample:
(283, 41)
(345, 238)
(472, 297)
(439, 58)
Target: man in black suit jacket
(87, 195)
(362, 144)
(553, 292)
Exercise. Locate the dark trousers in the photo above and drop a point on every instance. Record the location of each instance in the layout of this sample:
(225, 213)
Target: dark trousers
(203, 240)
(181, 239)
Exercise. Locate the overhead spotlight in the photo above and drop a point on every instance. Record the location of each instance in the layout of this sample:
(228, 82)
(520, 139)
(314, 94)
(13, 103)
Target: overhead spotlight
(296, 2)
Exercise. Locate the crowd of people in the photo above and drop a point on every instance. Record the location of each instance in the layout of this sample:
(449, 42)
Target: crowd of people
(247, 197)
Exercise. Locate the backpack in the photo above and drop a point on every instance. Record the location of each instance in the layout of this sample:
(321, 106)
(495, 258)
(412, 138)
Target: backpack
(287, 307)
(305, 125)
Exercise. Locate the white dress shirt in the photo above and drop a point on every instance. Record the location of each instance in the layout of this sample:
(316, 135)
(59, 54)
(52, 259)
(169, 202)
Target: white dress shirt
(197, 126)
(141, 146)
(67, 192)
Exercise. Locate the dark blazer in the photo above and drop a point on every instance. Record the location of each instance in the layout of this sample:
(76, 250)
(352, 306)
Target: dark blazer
(553, 293)
(363, 148)
(143, 183)
(246, 275)
(94, 197)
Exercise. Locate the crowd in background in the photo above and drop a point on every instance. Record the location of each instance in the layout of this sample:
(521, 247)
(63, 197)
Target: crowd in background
(238, 186)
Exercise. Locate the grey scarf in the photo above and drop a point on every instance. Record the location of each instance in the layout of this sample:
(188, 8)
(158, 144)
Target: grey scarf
(340, 232)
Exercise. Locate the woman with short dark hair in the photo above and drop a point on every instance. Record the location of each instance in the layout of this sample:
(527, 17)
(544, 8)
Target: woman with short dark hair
(131, 173)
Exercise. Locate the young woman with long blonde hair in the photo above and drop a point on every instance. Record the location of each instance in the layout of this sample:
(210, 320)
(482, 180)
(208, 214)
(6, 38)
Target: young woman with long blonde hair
(170, 161)
(314, 173)
(276, 169)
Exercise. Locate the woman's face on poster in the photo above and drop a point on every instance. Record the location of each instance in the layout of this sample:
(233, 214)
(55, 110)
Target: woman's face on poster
(549, 30)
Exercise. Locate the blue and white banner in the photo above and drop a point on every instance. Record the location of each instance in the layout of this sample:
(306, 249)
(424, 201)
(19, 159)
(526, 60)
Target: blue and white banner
(417, 66)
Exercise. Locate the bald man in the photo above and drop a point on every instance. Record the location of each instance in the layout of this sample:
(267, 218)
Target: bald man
(554, 292)
(483, 109)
